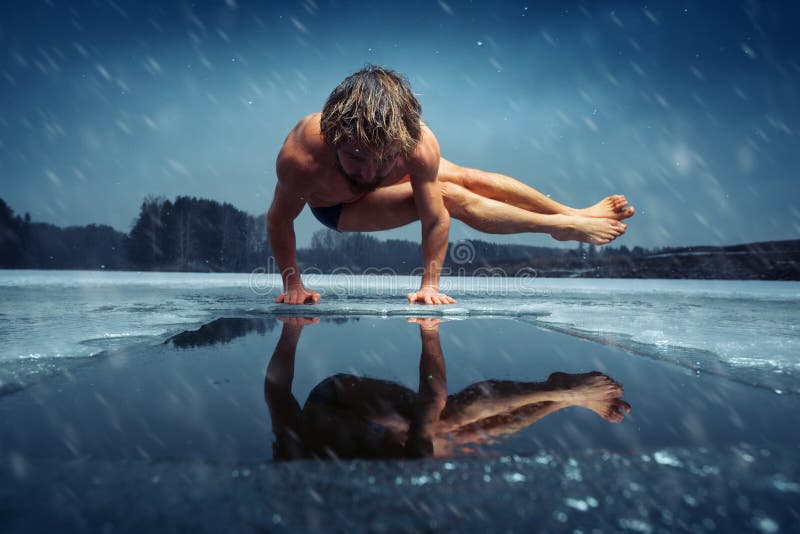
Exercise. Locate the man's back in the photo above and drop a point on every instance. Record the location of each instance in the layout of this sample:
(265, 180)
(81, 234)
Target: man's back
(309, 166)
(300, 166)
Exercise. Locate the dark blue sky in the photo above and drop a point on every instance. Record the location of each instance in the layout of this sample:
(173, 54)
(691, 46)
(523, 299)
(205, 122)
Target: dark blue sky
(689, 108)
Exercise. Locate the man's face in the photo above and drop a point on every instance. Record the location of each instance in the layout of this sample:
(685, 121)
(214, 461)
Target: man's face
(363, 169)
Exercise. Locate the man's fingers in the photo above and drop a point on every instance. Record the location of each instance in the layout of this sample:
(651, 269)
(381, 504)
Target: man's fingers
(298, 298)
(314, 297)
(430, 299)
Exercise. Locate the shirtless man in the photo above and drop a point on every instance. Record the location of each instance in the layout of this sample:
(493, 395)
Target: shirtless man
(368, 163)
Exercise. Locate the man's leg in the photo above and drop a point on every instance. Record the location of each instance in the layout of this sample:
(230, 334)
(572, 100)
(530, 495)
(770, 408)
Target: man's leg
(511, 191)
(392, 207)
(382, 209)
(496, 217)
(491, 398)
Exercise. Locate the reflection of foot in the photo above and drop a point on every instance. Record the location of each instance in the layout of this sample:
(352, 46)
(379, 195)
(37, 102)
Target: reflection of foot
(594, 230)
(613, 207)
(586, 387)
(594, 391)
(613, 410)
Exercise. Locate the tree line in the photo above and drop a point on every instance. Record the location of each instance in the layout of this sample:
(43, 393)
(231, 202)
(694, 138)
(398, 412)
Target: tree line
(187, 234)
(192, 234)
(199, 235)
(33, 245)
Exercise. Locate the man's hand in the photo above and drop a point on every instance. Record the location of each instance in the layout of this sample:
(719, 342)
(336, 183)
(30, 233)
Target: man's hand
(426, 323)
(299, 321)
(429, 295)
(297, 295)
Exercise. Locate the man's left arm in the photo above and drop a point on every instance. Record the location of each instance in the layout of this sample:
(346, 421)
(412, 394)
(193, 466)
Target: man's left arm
(435, 230)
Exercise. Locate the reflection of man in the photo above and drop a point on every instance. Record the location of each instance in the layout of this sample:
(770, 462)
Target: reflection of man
(347, 416)
(368, 163)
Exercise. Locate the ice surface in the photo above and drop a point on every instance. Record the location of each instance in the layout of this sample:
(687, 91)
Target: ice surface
(747, 330)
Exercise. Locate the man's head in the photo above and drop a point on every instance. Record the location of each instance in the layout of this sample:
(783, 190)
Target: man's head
(374, 114)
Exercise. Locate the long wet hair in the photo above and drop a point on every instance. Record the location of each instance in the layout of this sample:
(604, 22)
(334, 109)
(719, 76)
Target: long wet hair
(373, 108)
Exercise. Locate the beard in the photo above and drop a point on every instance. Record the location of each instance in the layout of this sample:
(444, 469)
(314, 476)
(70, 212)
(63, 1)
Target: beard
(356, 186)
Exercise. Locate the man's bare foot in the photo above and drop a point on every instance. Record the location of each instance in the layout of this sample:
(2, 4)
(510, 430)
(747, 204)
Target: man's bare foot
(613, 207)
(612, 410)
(594, 230)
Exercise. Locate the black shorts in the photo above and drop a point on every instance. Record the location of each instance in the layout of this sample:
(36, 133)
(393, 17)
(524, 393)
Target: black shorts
(328, 215)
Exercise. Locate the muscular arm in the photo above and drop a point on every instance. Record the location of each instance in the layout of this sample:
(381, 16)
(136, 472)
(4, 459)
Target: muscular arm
(435, 221)
(432, 391)
(283, 407)
(287, 204)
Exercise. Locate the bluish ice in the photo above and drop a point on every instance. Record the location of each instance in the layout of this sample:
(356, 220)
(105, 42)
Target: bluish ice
(745, 331)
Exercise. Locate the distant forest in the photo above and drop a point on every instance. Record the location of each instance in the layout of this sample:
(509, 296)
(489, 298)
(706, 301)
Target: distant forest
(199, 235)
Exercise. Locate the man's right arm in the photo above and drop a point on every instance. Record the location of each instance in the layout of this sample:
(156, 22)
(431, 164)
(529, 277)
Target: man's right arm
(286, 206)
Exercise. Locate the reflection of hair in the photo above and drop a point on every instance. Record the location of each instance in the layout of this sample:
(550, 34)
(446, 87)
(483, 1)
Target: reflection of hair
(373, 108)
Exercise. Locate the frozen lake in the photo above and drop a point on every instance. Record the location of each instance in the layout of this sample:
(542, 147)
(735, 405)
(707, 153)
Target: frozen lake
(743, 330)
(524, 425)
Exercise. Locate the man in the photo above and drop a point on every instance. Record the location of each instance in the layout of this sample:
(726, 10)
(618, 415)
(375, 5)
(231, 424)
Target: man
(368, 163)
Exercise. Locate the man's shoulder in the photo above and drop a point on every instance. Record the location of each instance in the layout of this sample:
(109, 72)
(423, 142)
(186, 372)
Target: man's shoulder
(305, 136)
(310, 124)
(302, 148)
(425, 158)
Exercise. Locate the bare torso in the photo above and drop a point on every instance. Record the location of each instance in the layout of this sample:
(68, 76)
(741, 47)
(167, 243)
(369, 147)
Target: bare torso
(311, 166)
